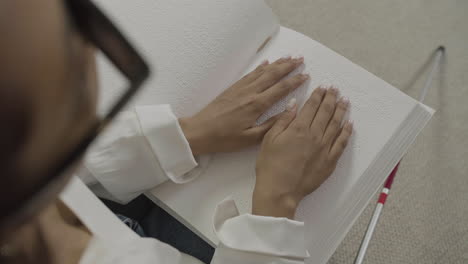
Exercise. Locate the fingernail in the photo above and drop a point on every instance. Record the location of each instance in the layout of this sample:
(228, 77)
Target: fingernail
(350, 125)
(334, 89)
(291, 104)
(265, 62)
(299, 60)
(345, 100)
(305, 76)
(286, 57)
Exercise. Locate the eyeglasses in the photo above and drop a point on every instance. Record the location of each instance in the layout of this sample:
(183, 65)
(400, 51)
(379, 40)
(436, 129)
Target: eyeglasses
(102, 33)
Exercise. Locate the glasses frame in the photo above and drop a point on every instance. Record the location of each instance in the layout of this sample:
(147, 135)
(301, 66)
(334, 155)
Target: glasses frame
(97, 28)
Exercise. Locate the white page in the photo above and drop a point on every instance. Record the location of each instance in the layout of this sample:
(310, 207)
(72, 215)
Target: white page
(378, 110)
(195, 48)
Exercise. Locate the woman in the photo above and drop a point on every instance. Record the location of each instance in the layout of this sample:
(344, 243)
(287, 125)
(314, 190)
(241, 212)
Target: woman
(48, 101)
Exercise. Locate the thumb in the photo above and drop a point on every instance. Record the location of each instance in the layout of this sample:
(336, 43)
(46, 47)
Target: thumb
(285, 118)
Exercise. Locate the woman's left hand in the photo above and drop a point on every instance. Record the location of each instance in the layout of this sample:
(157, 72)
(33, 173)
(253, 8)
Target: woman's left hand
(228, 122)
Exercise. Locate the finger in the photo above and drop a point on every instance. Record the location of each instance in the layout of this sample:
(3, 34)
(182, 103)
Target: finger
(308, 112)
(281, 89)
(325, 111)
(265, 126)
(341, 141)
(283, 120)
(253, 75)
(334, 125)
(274, 72)
(283, 59)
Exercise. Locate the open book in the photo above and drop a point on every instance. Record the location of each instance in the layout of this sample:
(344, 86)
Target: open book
(199, 48)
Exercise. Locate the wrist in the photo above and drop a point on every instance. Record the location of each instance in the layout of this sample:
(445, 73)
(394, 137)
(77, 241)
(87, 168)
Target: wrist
(275, 205)
(193, 135)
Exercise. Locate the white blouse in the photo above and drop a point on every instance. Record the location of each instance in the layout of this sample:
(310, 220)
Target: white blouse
(146, 147)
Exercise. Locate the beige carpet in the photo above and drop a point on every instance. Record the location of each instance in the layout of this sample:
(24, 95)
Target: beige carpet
(426, 217)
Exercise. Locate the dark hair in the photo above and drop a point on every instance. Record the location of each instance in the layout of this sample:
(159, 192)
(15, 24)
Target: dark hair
(16, 120)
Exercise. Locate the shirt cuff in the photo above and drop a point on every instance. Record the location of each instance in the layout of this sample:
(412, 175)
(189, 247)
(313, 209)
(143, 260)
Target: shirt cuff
(167, 140)
(272, 236)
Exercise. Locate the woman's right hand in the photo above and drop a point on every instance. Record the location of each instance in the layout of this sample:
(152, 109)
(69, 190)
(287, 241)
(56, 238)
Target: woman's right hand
(299, 153)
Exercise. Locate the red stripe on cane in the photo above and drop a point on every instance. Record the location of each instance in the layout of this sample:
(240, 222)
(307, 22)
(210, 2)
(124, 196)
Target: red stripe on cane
(382, 198)
(389, 181)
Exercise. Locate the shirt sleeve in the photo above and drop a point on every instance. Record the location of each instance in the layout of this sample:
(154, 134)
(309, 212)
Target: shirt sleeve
(244, 239)
(141, 149)
(257, 239)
